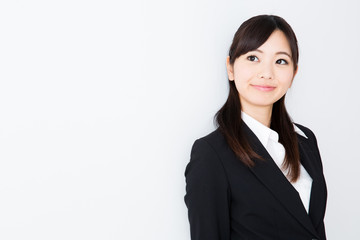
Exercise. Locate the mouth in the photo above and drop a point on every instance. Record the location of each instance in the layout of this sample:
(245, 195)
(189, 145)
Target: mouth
(264, 88)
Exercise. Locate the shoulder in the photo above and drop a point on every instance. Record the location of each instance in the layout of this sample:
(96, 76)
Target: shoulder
(213, 141)
(307, 131)
(213, 151)
(214, 137)
(311, 138)
(209, 149)
(311, 142)
(206, 159)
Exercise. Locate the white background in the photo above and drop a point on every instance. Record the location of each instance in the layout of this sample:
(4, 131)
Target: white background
(100, 102)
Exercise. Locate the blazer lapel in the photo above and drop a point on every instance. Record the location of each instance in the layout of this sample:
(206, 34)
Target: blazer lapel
(271, 176)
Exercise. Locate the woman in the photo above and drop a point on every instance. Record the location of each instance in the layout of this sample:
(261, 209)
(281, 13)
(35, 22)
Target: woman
(258, 175)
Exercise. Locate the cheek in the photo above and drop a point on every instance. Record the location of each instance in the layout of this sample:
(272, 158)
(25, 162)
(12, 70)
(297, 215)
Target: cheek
(242, 77)
(243, 73)
(285, 79)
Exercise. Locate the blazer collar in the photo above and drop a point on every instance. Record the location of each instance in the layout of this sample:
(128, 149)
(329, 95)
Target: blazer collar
(271, 176)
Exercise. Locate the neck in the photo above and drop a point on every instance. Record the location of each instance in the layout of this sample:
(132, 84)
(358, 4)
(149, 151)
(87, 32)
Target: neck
(261, 114)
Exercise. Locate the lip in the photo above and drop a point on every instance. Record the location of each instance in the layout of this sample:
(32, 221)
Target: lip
(264, 88)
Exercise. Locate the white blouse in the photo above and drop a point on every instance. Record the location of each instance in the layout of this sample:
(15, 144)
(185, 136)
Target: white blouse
(270, 140)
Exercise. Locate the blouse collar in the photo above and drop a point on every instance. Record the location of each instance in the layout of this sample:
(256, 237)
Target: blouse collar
(263, 132)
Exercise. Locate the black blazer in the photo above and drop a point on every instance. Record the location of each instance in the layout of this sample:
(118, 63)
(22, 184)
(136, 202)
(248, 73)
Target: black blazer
(228, 201)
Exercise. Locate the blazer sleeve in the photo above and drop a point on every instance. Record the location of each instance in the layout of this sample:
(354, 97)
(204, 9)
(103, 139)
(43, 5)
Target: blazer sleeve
(315, 149)
(321, 228)
(207, 194)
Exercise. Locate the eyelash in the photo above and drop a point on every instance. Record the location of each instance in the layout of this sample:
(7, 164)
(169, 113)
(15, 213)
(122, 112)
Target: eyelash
(248, 58)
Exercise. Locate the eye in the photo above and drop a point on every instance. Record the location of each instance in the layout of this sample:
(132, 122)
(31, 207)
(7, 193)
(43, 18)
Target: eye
(282, 61)
(252, 58)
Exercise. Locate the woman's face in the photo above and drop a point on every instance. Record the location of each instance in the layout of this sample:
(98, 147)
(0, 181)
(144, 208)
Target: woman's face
(264, 75)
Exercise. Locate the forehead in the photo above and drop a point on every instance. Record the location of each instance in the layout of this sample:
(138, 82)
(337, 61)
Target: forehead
(277, 42)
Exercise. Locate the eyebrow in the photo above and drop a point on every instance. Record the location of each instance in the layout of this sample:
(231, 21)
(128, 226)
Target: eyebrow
(257, 50)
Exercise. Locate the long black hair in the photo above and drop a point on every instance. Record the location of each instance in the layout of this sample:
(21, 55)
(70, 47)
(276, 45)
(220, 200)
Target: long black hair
(251, 35)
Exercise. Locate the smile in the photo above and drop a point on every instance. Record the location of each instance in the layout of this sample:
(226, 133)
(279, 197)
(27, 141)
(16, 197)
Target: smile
(263, 88)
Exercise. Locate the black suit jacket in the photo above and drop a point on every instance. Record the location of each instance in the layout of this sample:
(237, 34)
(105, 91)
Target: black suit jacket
(228, 201)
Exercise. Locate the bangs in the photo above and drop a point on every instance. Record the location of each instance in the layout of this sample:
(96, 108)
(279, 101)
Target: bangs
(255, 31)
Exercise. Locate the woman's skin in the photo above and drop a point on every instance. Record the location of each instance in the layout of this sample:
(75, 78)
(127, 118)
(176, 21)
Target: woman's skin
(263, 76)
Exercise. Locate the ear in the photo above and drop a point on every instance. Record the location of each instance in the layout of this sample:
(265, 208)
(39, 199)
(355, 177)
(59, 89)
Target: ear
(296, 70)
(230, 69)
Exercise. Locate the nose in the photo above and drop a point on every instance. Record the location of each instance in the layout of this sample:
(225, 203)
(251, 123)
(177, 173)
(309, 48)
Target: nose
(266, 72)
